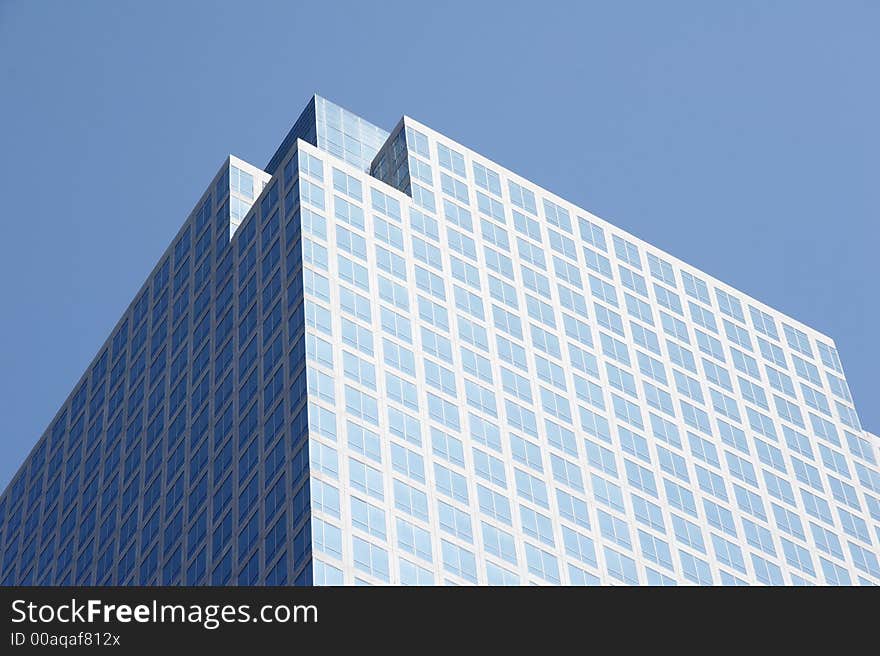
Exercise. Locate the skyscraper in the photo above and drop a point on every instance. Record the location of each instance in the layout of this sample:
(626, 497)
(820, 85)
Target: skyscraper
(385, 359)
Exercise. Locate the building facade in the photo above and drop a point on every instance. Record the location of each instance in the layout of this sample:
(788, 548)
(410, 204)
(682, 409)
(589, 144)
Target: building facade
(385, 359)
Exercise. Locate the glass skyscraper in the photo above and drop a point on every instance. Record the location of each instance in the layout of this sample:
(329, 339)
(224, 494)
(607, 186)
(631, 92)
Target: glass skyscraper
(385, 359)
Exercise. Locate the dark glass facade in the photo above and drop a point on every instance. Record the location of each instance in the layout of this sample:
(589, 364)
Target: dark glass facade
(181, 455)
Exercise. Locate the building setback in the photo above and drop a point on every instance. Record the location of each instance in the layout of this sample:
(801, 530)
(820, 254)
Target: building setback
(385, 359)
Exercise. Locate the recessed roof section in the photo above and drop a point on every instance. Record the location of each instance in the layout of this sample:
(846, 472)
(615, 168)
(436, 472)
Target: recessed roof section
(335, 130)
(395, 165)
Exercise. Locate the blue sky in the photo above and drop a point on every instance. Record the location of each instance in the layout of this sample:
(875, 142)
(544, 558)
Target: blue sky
(740, 137)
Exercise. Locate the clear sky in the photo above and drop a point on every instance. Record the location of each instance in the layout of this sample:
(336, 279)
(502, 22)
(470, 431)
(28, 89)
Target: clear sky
(741, 137)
